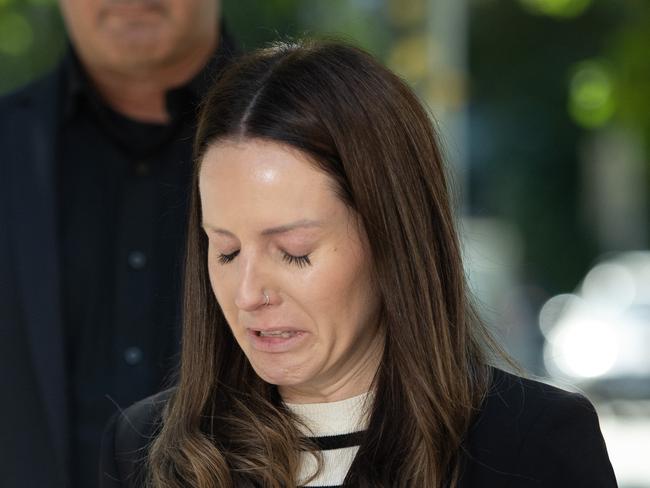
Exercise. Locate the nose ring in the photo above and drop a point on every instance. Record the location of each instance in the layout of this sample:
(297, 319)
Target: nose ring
(266, 298)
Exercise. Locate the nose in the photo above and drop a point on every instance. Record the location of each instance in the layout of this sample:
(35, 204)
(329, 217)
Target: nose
(251, 292)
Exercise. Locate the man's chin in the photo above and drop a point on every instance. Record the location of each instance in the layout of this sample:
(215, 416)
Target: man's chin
(134, 58)
(137, 41)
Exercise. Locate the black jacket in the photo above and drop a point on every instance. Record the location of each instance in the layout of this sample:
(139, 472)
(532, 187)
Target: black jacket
(527, 434)
(33, 413)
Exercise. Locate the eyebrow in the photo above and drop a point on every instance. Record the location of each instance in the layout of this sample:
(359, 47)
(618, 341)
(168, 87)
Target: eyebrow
(281, 229)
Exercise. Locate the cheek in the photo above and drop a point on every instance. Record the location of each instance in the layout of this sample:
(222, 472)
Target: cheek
(82, 19)
(182, 17)
(340, 294)
(217, 278)
(220, 291)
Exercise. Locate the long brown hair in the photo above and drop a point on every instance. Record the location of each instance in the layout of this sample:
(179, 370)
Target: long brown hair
(361, 125)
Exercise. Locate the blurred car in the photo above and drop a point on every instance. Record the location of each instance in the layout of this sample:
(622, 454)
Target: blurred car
(598, 340)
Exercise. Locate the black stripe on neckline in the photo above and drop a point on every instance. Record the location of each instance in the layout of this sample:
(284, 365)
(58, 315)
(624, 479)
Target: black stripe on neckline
(329, 442)
(319, 486)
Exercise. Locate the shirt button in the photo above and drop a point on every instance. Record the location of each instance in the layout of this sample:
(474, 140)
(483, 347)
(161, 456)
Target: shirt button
(133, 355)
(137, 260)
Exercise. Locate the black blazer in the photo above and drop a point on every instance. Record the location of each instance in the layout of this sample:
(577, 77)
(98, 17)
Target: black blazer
(33, 413)
(527, 434)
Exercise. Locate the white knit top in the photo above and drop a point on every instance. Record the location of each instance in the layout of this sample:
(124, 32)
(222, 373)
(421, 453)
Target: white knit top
(336, 428)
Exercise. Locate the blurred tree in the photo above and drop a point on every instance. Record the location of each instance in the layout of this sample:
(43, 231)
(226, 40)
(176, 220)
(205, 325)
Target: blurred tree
(628, 53)
(255, 23)
(525, 143)
(31, 40)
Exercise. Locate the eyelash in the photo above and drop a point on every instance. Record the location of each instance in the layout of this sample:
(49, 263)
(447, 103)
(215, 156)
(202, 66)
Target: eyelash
(226, 258)
(300, 261)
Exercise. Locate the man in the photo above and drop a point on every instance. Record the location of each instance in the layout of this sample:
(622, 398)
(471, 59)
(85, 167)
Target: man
(95, 163)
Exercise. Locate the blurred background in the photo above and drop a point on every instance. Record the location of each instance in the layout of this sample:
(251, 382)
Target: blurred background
(543, 107)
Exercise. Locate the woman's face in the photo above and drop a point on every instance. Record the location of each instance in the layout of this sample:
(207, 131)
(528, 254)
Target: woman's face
(277, 229)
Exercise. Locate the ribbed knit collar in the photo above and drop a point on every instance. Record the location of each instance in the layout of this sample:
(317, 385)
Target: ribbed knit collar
(334, 418)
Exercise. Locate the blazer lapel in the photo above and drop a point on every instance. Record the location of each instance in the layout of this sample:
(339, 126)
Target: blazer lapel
(33, 207)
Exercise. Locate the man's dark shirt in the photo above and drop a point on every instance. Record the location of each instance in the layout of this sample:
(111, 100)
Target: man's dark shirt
(124, 188)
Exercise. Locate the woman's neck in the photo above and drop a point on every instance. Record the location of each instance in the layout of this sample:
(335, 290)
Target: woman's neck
(350, 379)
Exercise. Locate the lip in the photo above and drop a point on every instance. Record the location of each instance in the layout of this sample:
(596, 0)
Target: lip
(275, 344)
(134, 10)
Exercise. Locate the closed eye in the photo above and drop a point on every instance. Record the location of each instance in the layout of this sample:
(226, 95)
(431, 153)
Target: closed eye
(226, 258)
(300, 261)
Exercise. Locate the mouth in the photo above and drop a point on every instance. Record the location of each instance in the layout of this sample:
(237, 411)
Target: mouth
(276, 340)
(284, 334)
(133, 8)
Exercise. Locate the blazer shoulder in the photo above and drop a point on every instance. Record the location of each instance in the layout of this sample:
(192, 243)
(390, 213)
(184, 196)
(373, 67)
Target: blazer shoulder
(45, 87)
(126, 441)
(35, 105)
(534, 434)
(510, 394)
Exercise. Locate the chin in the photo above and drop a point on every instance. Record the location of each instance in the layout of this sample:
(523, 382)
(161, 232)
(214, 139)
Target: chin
(129, 42)
(133, 57)
(277, 376)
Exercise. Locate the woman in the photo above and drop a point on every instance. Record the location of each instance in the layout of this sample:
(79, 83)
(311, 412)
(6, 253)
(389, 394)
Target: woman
(328, 339)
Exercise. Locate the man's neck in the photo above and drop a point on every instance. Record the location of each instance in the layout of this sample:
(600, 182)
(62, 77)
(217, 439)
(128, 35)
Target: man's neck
(141, 94)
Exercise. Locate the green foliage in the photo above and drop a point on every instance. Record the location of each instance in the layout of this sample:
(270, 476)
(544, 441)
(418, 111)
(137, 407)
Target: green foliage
(592, 101)
(557, 8)
(16, 35)
(31, 40)
(254, 23)
(257, 23)
(628, 53)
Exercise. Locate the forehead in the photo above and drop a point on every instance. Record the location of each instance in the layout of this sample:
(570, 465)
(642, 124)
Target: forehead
(254, 178)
